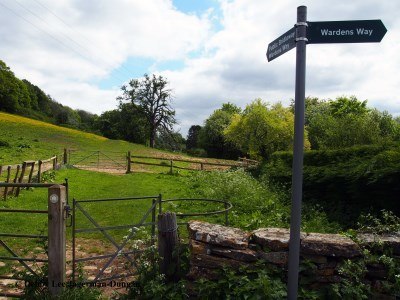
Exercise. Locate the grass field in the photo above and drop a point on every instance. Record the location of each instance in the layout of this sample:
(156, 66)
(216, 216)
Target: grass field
(27, 139)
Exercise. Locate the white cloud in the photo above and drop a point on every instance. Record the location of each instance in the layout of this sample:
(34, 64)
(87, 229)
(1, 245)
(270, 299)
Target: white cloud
(100, 36)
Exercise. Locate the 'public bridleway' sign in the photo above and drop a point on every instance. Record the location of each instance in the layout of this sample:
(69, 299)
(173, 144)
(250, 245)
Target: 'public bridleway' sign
(282, 44)
(363, 31)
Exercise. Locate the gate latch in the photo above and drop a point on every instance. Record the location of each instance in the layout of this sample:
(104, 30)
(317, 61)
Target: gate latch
(67, 214)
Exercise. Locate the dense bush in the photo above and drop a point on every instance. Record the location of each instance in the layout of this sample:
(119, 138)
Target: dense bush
(344, 182)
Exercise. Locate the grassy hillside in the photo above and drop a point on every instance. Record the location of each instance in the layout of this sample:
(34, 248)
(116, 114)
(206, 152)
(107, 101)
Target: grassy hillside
(27, 139)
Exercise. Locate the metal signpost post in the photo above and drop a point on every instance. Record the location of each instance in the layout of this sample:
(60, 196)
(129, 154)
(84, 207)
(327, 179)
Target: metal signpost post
(362, 31)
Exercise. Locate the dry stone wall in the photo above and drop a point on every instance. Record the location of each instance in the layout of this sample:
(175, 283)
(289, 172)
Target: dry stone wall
(215, 246)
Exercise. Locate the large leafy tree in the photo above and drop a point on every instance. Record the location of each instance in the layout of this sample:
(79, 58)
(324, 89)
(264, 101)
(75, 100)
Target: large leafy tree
(126, 123)
(262, 129)
(192, 141)
(152, 97)
(211, 136)
(345, 122)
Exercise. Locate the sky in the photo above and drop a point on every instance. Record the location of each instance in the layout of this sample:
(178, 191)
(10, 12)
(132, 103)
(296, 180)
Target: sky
(210, 51)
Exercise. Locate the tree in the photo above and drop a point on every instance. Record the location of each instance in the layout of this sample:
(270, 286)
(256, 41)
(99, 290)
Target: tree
(172, 141)
(126, 123)
(192, 141)
(262, 129)
(346, 122)
(153, 99)
(9, 89)
(211, 136)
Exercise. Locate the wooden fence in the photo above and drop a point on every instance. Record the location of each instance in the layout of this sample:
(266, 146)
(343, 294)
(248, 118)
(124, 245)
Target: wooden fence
(194, 165)
(27, 172)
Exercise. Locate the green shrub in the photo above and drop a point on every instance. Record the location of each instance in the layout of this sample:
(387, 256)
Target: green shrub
(343, 182)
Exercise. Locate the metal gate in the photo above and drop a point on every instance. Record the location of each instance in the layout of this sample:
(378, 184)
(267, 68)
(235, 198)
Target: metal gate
(26, 265)
(97, 160)
(85, 223)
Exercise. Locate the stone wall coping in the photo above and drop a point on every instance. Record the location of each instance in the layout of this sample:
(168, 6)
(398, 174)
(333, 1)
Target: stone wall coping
(277, 239)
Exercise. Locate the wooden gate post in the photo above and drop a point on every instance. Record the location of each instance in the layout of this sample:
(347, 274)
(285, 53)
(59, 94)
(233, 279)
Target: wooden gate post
(39, 174)
(65, 156)
(55, 162)
(56, 238)
(168, 243)
(128, 162)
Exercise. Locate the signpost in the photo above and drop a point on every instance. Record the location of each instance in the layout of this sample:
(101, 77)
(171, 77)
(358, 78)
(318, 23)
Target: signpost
(362, 31)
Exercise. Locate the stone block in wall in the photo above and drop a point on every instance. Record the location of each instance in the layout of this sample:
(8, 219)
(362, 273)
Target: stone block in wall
(218, 235)
(274, 239)
(216, 262)
(329, 245)
(318, 259)
(276, 258)
(391, 241)
(245, 255)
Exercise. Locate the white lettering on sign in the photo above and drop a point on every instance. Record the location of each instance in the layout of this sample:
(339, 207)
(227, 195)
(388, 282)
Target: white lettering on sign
(362, 31)
(275, 53)
(341, 32)
(286, 38)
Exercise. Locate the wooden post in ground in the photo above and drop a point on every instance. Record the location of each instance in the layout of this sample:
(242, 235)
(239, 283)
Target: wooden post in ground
(32, 164)
(15, 178)
(56, 239)
(39, 173)
(65, 161)
(128, 162)
(168, 243)
(1, 170)
(202, 166)
(21, 177)
(7, 180)
(55, 162)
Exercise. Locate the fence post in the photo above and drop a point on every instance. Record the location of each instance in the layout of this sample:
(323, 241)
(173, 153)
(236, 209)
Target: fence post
(128, 162)
(15, 178)
(168, 245)
(153, 221)
(31, 171)
(159, 204)
(8, 180)
(56, 238)
(21, 178)
(55, 162)
(65, 156)
(39, 174)
(202, 166)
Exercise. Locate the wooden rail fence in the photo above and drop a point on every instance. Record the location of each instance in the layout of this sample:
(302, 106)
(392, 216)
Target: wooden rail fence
(27, 172)
(171, 163)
